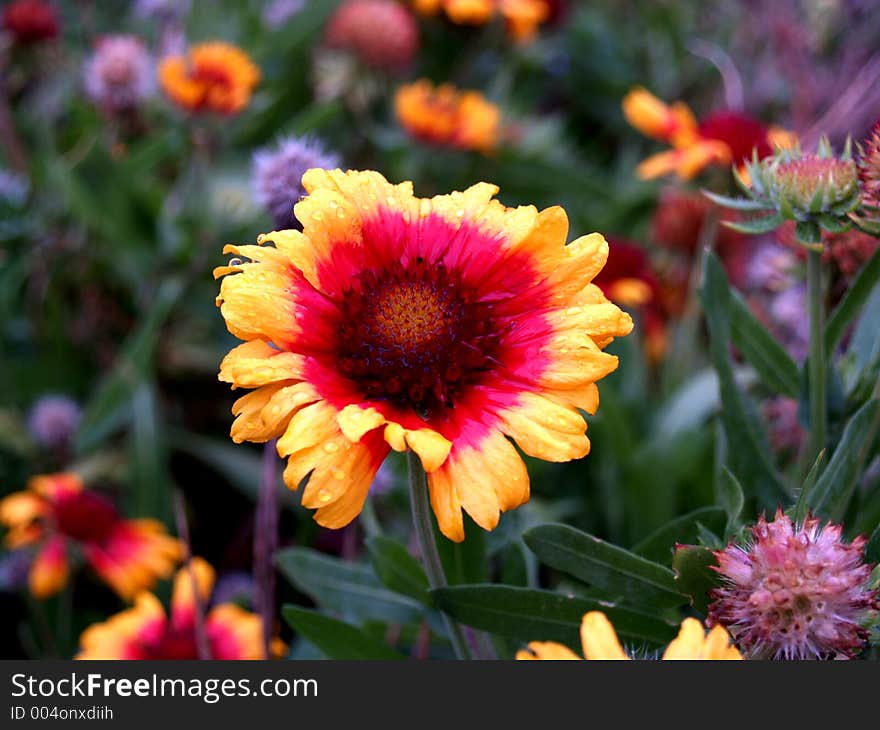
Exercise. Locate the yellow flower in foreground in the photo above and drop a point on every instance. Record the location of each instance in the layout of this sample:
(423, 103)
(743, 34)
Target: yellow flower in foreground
(440, 325)
(216, 77)
(443, 115)
(599, 641)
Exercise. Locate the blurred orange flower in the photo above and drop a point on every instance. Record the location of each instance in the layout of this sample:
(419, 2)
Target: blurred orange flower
(215, 76)
(56, 513)
(446, 116)
(723, 138)
(522, 17)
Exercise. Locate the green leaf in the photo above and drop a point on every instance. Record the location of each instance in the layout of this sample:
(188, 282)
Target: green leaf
(731, 498)
(808, 232)
(693, 574)
(660, 544)
(770, 360)
(535, 615)
(749, 454)
(800, 507)
(872, 549)
(348, 589)
(465, 561)
(756, 225)
(853, 301)
(397, 569)
(834, 489)
(616, 571)
(735, 203)
(337, 639)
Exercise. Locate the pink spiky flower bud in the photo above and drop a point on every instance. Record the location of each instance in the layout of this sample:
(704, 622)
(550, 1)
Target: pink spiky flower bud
(797, 591)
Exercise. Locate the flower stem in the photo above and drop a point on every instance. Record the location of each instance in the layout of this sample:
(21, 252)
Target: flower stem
(817, 374)
(421, 512)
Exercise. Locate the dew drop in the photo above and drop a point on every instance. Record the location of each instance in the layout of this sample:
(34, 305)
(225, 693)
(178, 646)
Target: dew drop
(324, 496)
(338, 474)
(331, 447)
(235, 261)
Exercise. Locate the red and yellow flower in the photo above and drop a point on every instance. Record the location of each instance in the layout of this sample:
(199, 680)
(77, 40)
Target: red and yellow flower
(599, 641)
(522, 17)
(215, 77)
(439, 325)
(724, 138)
(443, 115)
(57, 514)
(145, 631)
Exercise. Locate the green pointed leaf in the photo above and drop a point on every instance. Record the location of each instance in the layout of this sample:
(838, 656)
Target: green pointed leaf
(724, 201)
(757, 225)
(872, 549)
(616, 571)
(858, 293)
(748, 452)
(763, 351)
(465, 561)
(833, 491)
(348, 589)
(834, 224)
(731, 498)
(534, 615)
(397, 569)
(808, 232)
(694, 575)
(660, 544)
(800, 508)
(337, 639)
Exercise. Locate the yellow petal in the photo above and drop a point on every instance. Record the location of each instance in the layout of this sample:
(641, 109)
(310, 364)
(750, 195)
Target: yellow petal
(547, 650)
(599, 638)
(546, 430)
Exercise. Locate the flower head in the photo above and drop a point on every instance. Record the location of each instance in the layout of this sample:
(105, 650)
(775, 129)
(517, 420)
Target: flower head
(869, 168)
(599, 641)
(278, 171)
(723, 138)
(381, 33)
(145, 631)
(216, 77)
(521, 17)
(120, 74)
(443, 115)
(30, 21)
(53, 420)
(56, 513)
(438, 325)
(796, 592)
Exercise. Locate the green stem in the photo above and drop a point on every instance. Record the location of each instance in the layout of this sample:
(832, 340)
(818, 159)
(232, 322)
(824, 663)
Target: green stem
(817, 374)
(421, 512)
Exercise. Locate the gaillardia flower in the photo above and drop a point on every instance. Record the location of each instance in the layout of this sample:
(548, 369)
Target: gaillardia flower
(522, 17)
(120, 74)
(723, 138)
(278, 171)
(795, 592)
(599, 641)
(443, 115)
(216, 77)
(439, 325)
(56, 514)
(381, 33)
(144, 631)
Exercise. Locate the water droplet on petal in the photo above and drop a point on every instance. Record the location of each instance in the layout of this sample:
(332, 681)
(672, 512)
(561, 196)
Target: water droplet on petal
(338, 474)
(331, 447)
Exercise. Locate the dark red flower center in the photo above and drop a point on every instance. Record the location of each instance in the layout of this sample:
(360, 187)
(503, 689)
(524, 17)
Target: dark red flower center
(415, 335)
(85, 516)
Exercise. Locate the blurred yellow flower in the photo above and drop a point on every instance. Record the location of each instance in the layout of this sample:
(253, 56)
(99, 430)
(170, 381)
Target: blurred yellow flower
(599, 641)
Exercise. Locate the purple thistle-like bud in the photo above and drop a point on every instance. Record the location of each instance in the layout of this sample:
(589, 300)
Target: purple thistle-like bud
(278, 171)
(52, 421)
(120, 73)
(795, 592)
